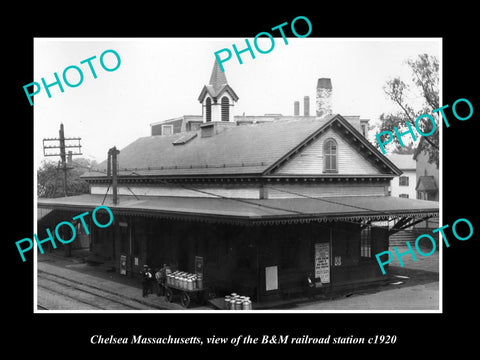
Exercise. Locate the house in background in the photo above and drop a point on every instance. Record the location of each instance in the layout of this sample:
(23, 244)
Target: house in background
(428, 184)
(404, 185)
(423, 184)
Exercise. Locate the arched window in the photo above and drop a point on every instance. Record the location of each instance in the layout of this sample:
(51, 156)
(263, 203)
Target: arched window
(225, 109)
(330, 156)
(208, 109)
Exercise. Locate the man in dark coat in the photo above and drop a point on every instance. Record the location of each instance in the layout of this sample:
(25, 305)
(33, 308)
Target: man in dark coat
(146, 280)
(309, 286)
(161, 276)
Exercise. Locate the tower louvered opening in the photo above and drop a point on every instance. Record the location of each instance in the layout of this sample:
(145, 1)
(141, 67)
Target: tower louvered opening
(225, 109)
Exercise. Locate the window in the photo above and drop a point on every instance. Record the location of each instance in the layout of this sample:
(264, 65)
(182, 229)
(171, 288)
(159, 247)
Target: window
(330, 156)
(208, 109)
(366, 242)
(403, 180)
(81, 229)
(167, 129)
(422, 195)
(225, 109)
(404, 196)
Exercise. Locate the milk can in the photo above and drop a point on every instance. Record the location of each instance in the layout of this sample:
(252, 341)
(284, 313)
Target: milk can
(199, 281)
(226, 302)
(247, 305)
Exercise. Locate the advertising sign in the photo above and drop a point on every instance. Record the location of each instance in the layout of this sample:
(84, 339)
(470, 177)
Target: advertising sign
(322, 262)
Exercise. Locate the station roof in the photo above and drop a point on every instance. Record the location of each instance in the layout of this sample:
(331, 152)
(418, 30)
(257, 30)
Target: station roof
(252, 211)
(237, 151)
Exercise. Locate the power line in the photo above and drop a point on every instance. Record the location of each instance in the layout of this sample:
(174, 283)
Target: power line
(239, 200)
(273, 188)
(329, 201)
(272, 207)
(372, 211)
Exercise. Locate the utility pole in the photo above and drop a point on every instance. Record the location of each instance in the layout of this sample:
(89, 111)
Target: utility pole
(63, 155)
(60, 144)
(112, 169)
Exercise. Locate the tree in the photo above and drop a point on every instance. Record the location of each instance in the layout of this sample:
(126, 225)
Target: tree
(50, 179)
(408, 149)
(425, 78)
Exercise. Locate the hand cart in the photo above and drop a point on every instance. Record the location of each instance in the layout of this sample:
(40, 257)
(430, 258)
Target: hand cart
(186, 295)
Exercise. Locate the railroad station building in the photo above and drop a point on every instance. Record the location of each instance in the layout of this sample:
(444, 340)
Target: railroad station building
(261, 203)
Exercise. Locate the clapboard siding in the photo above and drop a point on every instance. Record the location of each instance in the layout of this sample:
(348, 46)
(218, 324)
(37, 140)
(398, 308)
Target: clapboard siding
(275, 191)
(309, 161)
(247, 192)
(325, 190)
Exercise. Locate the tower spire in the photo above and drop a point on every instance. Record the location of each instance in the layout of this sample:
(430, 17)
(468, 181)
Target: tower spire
(217, 98)
(218, 78)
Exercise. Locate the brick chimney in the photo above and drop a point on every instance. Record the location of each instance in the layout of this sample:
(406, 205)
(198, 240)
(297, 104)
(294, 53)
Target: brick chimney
(324, 97)
(306, 106)
(296, 108)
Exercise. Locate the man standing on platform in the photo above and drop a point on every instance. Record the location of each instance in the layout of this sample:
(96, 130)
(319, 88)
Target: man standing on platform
(146, 280)
(161, 276)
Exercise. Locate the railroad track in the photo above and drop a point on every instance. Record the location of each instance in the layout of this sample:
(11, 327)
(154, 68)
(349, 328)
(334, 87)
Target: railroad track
(58, 292)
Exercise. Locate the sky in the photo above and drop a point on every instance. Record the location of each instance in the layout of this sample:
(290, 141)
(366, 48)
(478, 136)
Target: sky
(161, 78)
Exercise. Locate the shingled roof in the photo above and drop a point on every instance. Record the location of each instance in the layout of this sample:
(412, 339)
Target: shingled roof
(403, 161)
(426, 183)
(237, 150)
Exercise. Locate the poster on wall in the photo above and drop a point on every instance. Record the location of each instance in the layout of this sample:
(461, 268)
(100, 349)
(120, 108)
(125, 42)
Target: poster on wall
(123, 264)
(271, 278)
(322, 262)
(199, 265)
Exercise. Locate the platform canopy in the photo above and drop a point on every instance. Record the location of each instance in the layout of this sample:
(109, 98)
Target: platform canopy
(254, 211)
